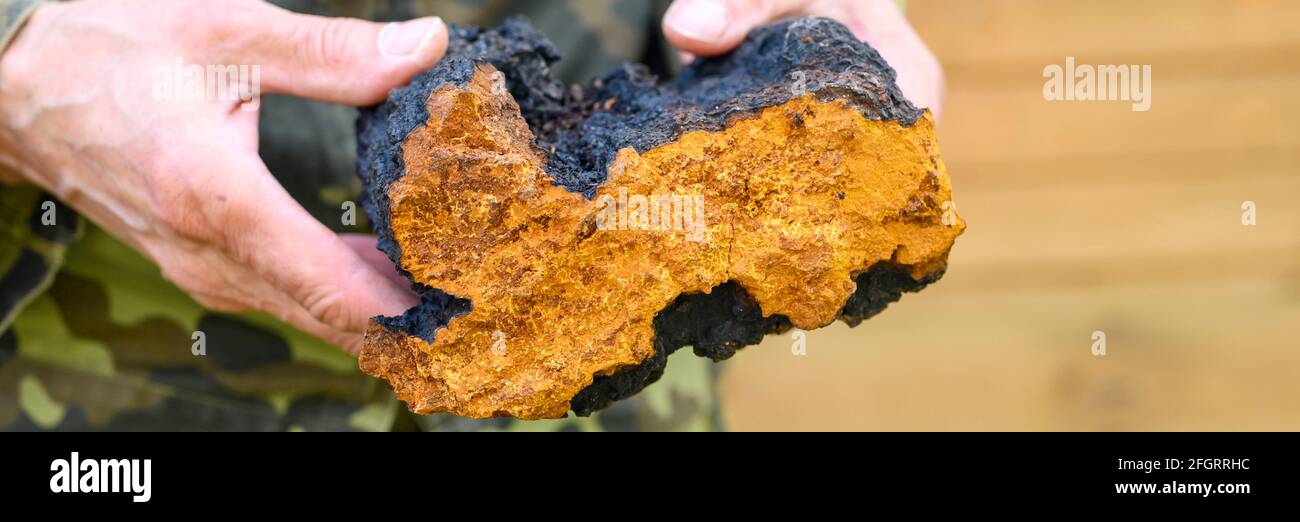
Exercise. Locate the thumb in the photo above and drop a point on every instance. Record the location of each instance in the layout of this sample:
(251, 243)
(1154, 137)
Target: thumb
(340, 60)
(711, 27)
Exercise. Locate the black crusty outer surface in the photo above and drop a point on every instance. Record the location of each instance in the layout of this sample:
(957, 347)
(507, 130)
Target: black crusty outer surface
(774, 65)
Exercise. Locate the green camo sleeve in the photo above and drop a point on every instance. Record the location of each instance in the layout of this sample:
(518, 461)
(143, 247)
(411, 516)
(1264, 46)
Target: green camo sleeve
(35, 232)
(26, 260)
(12, 15)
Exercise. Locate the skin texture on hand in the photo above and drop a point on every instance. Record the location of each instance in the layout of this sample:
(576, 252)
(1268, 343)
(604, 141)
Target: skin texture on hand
(181, 180)
(711, 27)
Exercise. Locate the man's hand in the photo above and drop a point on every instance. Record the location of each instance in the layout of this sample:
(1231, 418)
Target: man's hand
(181, 180)
(710, 27)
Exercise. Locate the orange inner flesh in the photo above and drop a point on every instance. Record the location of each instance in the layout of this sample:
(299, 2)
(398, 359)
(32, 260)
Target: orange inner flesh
(796, 201)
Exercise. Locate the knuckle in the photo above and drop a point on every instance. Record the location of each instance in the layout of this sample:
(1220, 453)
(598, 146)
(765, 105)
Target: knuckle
(329, 309)
(766, 8)
(195, 25)
(326, 41)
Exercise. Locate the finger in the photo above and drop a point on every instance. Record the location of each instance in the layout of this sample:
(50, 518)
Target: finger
(290, 312)
(337, 60)
(365, 246)
(882, 24)
(273, 301)
(255, 221)
(712, 27)
(220, 283)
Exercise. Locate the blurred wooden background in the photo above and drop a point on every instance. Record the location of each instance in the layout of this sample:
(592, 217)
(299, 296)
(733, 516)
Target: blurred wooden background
(1085, 216)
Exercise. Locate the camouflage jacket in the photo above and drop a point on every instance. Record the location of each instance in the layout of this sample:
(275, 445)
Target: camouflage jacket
(93, 338)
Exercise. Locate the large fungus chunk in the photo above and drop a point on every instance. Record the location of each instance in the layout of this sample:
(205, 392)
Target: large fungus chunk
(566, 240)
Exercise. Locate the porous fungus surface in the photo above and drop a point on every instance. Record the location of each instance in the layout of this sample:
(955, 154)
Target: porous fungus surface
(565, 241)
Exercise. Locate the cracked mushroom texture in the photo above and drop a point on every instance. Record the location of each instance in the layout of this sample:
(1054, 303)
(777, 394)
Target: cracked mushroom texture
(566, 240)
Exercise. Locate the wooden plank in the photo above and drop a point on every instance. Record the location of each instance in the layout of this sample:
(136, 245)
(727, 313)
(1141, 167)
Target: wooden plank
(1020, 30)
(1123, 170)
(1083, 217)
(1206, 114)
(1180, 356)
(1096, 222)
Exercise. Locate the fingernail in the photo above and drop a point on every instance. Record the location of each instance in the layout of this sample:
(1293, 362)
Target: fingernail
(702, 20)
(408, 38)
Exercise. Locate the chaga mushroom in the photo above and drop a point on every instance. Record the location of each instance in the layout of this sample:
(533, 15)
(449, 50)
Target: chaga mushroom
(565, 241)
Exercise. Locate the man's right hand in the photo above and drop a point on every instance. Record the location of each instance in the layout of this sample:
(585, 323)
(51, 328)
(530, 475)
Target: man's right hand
(180, 180)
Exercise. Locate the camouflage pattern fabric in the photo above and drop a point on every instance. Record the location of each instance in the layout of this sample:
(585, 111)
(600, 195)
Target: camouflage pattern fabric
(12, 15)
(93, 338)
